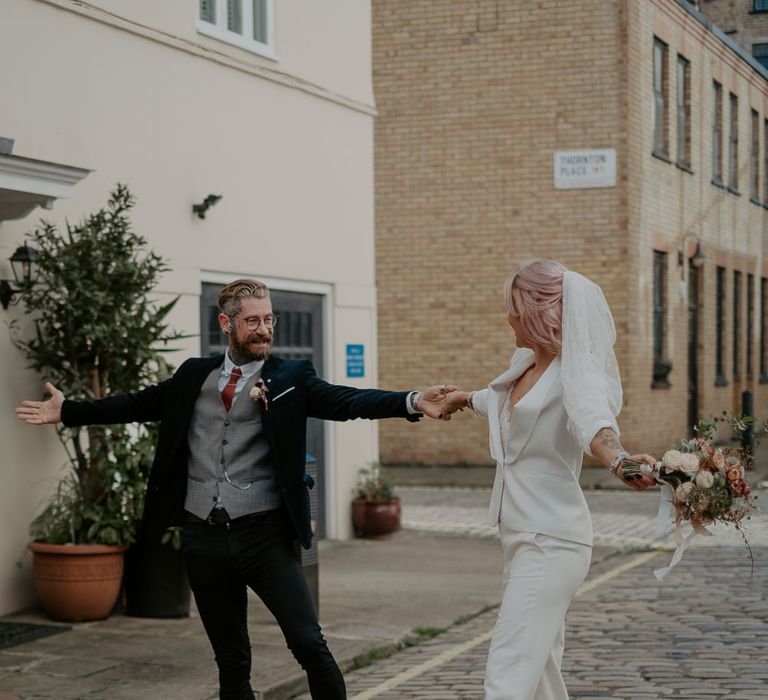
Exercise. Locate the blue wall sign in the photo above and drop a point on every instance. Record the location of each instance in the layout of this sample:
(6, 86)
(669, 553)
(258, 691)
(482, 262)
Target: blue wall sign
(355, 360)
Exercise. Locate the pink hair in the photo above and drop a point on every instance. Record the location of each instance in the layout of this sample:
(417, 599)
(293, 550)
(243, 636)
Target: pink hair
(535, 294)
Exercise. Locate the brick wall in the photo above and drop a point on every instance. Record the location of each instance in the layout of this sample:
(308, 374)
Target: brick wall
(669, 207)
(738, 19)
(474, 98)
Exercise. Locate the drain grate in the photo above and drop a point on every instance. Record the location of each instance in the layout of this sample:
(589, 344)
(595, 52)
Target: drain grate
(13, 633)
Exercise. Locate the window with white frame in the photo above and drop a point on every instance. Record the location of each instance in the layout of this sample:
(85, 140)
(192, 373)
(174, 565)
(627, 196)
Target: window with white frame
(245, 23)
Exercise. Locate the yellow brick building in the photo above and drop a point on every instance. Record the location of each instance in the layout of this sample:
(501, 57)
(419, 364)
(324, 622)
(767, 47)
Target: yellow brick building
(478, 101)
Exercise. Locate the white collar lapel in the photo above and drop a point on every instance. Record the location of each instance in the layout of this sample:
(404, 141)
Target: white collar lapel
(521, 361)
(525, 414)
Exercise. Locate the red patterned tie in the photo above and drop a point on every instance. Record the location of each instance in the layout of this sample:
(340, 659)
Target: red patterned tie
(228, 392)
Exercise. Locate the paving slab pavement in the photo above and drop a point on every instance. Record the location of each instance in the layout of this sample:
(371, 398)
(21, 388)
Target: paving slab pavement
(373, 594)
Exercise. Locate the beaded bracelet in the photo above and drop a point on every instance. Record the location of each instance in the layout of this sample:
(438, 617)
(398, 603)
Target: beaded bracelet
(617, 461)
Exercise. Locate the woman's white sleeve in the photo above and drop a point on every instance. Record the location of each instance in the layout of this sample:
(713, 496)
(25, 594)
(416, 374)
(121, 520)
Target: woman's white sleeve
(480, 402)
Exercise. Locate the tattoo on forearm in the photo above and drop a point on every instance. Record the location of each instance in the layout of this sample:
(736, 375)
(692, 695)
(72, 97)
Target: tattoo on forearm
(609, 439)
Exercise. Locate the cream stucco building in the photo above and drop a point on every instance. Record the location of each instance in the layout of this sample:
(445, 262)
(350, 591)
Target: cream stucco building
(268, 105)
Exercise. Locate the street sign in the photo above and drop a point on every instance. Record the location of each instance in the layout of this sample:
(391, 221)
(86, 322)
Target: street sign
(585, 169)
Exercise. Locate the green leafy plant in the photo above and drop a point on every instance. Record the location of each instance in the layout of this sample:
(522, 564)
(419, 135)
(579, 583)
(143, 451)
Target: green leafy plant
(372, 485)
(95, 331)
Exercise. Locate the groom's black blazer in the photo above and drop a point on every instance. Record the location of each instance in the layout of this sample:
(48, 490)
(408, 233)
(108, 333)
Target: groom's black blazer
(295, 393)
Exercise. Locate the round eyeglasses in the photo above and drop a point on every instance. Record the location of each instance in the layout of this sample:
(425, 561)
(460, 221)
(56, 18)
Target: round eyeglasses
(252, 323)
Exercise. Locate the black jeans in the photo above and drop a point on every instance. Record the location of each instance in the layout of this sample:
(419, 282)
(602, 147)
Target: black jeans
(259, 552)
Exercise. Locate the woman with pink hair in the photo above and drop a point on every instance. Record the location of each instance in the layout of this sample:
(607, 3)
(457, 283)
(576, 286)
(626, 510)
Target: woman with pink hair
(558, 399)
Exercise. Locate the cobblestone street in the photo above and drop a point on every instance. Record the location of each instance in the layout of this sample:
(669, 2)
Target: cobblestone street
(700, 633)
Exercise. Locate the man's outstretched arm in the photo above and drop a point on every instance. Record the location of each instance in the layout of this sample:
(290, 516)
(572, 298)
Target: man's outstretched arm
(142, 407)
(337, 402)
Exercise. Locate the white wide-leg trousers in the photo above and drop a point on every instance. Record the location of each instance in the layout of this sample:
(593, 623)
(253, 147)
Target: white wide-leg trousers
(541, 576)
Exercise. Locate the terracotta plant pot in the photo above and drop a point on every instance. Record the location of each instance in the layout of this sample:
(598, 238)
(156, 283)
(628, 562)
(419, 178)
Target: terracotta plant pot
(77, 582)
(375, 518)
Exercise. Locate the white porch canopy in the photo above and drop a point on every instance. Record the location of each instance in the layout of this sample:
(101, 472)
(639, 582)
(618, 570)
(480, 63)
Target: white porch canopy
(26, 183)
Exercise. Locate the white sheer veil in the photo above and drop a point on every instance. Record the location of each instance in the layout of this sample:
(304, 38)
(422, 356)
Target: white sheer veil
(589, 372)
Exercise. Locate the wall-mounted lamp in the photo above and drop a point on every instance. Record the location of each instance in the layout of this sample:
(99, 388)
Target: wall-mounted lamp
(24, 266)
(205, 205)
(697, 259)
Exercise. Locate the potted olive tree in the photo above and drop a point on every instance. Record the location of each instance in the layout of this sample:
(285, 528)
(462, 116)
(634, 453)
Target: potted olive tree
(375, 508)
(93, 330)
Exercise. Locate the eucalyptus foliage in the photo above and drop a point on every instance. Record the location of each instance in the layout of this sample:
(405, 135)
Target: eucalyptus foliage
(97, 332)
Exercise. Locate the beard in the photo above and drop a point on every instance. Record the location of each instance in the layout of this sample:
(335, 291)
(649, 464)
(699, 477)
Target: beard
(241, 352)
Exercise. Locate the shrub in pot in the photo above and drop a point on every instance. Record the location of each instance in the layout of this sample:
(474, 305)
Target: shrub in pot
(375, 508)
(93, 331)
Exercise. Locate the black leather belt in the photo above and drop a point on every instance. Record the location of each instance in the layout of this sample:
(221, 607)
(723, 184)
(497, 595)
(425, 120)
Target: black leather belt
(219, 517)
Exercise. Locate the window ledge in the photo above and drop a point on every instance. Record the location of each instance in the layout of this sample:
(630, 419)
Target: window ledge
(661, 156)
(733, 190)
(235, 39)
(717, 183)
(661, 384)
(721, 381)
(755, 200)
(685, 167)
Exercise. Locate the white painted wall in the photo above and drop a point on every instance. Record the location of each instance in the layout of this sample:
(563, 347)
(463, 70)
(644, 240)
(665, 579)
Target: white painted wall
(132, 91)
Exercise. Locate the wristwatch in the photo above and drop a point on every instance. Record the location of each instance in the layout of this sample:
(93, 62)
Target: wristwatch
(414, 399)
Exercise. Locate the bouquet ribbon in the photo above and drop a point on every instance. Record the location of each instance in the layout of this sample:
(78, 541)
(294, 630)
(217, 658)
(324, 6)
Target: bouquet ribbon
(665, 514)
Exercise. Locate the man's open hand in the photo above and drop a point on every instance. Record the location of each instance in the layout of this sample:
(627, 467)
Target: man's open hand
(42, 412)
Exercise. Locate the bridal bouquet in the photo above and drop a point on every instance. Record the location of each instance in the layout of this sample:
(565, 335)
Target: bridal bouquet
(701, 484)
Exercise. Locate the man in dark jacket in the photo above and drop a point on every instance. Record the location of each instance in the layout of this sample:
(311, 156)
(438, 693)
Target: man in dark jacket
(229, 467)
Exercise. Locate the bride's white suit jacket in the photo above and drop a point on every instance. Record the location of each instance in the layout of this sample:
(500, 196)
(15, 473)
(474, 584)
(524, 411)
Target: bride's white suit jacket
(538, 466)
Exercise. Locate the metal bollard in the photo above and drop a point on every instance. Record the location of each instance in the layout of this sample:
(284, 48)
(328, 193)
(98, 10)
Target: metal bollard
(747, 408)
(309, 557)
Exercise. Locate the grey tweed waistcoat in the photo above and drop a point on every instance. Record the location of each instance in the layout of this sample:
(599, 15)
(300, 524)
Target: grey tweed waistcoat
(230, 445)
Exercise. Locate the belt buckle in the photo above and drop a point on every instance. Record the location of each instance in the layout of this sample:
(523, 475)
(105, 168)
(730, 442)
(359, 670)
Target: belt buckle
(218, 516)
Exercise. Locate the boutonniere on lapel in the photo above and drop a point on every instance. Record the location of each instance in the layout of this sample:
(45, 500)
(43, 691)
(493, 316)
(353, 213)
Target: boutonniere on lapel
(259, 393)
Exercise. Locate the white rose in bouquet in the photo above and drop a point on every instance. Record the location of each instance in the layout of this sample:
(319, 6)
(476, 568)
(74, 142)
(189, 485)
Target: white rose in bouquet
(682, 491)
(689, 463)
(704, 480)
(672, 459)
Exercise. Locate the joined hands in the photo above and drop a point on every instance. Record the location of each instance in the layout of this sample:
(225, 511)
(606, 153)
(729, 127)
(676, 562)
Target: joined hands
(442, 401)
